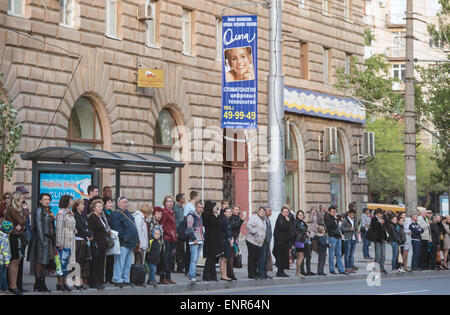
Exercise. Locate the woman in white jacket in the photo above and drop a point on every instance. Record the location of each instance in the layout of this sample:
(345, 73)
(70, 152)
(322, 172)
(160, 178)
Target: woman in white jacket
(140, 219)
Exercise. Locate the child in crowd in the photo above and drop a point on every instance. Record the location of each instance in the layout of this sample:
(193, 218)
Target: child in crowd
(154, 255)
(5, 254)
(322, 245)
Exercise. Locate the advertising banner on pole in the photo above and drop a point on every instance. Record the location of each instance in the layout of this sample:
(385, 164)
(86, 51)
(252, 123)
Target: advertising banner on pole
(239, 72)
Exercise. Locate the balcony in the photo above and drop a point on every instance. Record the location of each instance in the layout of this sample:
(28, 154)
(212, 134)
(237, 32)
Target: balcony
(395, 20)
(395, 53)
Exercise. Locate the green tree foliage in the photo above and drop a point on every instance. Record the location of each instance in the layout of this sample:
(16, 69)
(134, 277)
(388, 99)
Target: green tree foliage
(10, 135)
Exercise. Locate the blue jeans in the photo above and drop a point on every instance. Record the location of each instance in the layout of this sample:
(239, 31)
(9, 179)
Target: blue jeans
(380, 254)
(349, 247)
(335, 250)
(416, 254)
(195, 254)
(3, 275)
(122, 265)
(262, 261)
(394, 255)
(152, 274)
(366, 244)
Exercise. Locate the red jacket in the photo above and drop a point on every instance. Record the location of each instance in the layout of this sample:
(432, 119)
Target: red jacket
(169, 226)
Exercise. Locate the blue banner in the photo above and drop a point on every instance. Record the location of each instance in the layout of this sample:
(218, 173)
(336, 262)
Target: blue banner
(58, 184)
(239, 72)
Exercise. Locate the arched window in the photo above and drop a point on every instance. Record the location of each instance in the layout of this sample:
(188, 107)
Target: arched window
(337, 178)
(85, 131)
(291, 181)
(164, 184)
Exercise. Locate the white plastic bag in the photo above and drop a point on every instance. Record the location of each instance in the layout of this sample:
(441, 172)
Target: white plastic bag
(116, 249)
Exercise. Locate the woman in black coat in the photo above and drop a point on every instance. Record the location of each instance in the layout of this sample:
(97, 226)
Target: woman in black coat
(83, 235)
(282, 241)
(226, 238)
(98, 228)
(212, 247)
(236, 224)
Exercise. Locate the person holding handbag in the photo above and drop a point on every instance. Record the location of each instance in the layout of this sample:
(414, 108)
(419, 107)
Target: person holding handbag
(237, 219)
(83, 237)
(98, 227)
(16, 216)
(123, 223)
(65, 238)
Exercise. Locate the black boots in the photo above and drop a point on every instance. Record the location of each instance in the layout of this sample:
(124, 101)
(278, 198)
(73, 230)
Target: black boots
(40, 285)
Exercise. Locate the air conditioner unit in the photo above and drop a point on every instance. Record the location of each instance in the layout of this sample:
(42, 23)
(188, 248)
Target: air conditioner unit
(368, 143)
(330, 141)
(146, 11)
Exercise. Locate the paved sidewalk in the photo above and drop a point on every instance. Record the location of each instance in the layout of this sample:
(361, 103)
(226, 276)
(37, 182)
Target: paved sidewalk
(184, 286)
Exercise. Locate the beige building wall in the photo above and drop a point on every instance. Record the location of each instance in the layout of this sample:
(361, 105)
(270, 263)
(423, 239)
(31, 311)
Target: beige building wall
(38, 68)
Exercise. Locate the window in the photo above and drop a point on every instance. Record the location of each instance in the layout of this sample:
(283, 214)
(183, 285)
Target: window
(304, 61)
(398, 71)
(348, 62)
(151, 28)
(368, 7)
(291, 180)
(16, 7)
(111, 18)
(69, 13)
(326, 65)
(301, 4)
(397, 14)
(186, 29)
(325, 7)
(337, 178)
(347, 10)
(84, 126)
(398, 44)
(164, 184)
(218, 39)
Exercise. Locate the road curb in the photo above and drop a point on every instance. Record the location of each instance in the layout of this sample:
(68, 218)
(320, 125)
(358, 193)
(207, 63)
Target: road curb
(183, 288)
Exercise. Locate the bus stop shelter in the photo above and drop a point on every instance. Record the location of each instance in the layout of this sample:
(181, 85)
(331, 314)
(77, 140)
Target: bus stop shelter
(66, 160)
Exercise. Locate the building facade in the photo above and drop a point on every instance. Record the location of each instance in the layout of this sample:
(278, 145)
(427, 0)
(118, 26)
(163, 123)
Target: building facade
(71, 70)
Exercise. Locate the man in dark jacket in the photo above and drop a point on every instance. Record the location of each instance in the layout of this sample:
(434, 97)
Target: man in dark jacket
(123, 222)
(377, 234)
(334, 237)
(178, 210)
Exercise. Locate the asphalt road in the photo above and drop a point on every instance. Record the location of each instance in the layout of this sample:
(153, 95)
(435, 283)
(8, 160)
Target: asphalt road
(432, 285)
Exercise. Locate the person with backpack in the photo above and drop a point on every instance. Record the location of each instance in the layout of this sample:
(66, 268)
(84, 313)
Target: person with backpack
(153, 256)
(195, 237)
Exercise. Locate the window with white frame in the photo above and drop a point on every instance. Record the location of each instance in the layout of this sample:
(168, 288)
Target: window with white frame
(218, 39)
(186, 29)
(151, 27)
(398, 71)
(16, 7)
(325, 7)
(347, 13)
(68, 13)
(399, 44)
(326, 56)
(301, 4)
(111, 18)
(348, 61)
(397, 13)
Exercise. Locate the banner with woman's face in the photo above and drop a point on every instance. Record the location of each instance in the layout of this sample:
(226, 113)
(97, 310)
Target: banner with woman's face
(239, 72)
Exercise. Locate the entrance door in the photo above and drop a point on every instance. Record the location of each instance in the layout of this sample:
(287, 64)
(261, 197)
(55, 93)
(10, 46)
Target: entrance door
(236, 187)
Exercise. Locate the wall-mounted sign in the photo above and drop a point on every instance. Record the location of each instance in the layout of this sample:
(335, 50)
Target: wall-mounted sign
(239, 72)
(151, 78)
(59, 184)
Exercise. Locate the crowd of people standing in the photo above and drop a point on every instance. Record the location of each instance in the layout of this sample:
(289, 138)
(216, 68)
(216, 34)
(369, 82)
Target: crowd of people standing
(110, 245)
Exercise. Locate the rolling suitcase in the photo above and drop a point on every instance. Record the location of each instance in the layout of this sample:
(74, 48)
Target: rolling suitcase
(137, 275)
